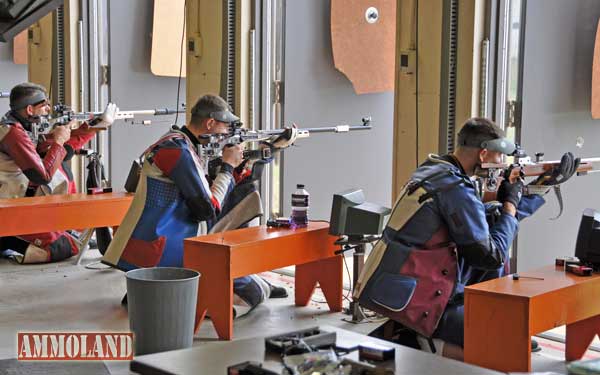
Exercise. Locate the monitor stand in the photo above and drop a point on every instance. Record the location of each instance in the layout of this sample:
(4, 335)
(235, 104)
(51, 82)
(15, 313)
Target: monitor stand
(358, 244)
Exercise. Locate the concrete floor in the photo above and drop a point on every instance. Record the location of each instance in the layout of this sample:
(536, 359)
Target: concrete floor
(66, 297)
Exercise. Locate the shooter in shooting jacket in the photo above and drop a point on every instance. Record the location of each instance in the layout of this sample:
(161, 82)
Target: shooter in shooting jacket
(176, 199)
(438, 240)
(29, 167)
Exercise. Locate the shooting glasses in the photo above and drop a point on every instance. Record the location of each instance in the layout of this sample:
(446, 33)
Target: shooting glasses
(502, 145)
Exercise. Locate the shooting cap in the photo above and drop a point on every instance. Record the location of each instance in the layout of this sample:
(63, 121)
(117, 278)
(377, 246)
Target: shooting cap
(483, 133)
(25, 94)
(213, 106)
(222, 116)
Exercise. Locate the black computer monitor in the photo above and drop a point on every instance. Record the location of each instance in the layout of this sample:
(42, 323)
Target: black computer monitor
(587, 248)
(352, 216)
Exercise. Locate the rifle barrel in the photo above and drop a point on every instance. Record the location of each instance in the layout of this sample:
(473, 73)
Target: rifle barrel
(121, 115)
(4, 94)
(329, 129)
(338, 129)
(151, 112)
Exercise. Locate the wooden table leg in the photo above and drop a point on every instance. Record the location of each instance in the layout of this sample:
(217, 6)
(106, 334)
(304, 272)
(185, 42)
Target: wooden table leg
(579, 337)
(328, 273)
(497, 333)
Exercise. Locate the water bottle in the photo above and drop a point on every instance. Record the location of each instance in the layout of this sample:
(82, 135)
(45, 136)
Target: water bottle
(299, 216)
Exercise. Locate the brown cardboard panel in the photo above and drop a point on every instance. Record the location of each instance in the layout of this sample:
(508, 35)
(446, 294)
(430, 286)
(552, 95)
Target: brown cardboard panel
(596, 77)
(167, 52)
(364, 51)
(20, 48)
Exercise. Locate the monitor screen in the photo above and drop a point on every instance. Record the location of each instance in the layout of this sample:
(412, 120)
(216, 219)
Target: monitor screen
(587, 247)
(339, 209)
(352, 216)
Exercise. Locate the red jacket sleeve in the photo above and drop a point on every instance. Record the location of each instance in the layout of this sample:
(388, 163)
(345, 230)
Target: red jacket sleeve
(79, 137)
(19, 147)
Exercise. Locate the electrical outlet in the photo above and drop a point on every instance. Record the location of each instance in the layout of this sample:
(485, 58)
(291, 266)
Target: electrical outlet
(195, 46)
(408, 61)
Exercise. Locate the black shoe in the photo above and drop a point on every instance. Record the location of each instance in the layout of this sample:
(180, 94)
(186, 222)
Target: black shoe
(207, 316)
(535, 347)
(278, 292)
(92, 243)
(124, 300)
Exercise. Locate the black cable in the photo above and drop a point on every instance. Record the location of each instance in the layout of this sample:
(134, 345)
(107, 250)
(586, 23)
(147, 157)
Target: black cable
(347, 297)
(180, 63)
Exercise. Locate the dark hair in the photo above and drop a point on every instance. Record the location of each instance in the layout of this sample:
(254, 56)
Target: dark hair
(207, 104)
(23, 94)
(477, 130)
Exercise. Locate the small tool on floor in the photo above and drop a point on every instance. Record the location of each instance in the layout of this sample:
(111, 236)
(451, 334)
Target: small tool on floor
(516, 276)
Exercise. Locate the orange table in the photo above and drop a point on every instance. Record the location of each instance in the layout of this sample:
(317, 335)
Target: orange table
(60, 212)
(502, 314)
(222, 257)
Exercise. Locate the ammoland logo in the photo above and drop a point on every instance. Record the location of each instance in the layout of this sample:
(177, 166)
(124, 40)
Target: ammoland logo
(75, 346)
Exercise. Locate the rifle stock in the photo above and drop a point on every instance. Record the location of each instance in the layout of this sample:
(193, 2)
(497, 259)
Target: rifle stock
(529, 169)
(539, 168)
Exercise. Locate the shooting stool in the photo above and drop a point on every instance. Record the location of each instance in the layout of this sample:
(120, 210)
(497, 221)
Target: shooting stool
(502, 314)
(222, 257)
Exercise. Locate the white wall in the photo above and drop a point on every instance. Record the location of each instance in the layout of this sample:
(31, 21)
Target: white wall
(11, 74)
(559, 44)
(133, 86)
(317, 95)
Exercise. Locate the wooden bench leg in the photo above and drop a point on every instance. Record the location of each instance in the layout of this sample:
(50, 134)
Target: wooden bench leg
(497, 333)
(215, 296)
(328, 273)
(579, 337)
(215, 290)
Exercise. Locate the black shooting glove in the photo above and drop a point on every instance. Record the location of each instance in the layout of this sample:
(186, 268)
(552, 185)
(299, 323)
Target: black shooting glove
(512, 193)
(566, 169)
(213, 167)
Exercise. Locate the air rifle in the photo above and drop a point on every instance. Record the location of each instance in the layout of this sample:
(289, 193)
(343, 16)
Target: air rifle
(524, 167)
(214, 143)
(62, 115)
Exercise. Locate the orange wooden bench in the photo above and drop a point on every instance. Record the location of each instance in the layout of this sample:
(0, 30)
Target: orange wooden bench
(502, 314)
(222, 257)
(60, 212)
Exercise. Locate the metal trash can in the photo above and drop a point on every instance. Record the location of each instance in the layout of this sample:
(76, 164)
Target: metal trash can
(162, 308)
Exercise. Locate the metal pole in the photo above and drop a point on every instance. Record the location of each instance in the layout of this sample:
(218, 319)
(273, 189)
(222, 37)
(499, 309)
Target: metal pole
(484, 78)
(80, 159)
(252, 106)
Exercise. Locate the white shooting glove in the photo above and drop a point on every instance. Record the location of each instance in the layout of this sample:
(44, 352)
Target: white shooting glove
(107, 118)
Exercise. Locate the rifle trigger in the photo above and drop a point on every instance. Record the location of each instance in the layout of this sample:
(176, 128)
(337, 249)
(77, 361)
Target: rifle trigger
(560, 201)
